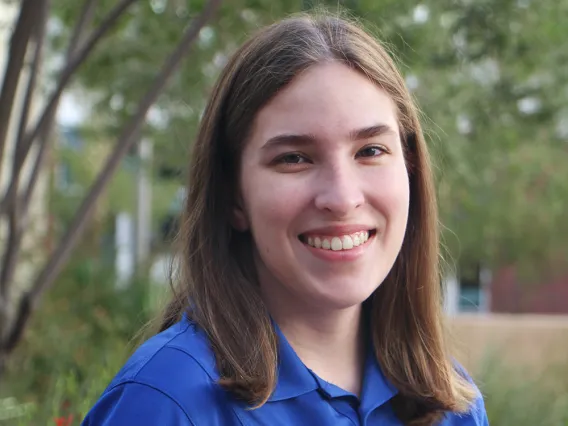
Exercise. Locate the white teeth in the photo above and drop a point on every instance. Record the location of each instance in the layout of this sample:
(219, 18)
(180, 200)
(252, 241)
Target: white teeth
(356, 240)
(317, 242)
(336, 244)
(345, 242)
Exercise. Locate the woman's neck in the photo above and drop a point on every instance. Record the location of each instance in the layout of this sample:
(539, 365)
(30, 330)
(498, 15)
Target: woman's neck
(330, 344)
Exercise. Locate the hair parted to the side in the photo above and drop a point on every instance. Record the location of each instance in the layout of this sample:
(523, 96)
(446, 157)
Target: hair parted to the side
(218, 287)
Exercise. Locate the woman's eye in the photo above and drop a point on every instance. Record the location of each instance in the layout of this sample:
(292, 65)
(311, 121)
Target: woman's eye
(371, 151)
(292, 159)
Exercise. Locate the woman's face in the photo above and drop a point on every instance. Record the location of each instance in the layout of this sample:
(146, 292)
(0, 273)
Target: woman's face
(325, 189)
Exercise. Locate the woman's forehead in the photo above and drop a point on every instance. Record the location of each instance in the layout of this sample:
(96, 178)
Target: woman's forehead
(326, 100)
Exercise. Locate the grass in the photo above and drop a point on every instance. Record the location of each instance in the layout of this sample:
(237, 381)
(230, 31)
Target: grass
(516, 396)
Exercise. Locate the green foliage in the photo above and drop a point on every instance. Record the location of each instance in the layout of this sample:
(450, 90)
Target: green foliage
(476, 68)
(65, 362)
(82, 165)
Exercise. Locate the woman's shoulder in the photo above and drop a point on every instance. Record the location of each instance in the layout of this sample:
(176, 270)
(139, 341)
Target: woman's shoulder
(182, 349)
(476, 415)
(171, 376)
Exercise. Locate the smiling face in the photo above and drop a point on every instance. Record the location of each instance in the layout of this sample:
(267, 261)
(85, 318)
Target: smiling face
(324, 190)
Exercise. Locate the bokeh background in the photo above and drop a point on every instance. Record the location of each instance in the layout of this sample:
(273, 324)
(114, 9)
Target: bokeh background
(99, 104)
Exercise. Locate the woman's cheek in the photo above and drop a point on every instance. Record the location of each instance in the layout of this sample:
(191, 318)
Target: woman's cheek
(389, 186)
(276, 198)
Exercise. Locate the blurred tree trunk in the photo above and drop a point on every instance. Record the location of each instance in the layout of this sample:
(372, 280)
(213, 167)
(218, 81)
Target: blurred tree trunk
(35, 137)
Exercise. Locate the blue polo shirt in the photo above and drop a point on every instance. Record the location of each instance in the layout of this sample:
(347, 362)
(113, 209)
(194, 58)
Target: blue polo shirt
(171, 380)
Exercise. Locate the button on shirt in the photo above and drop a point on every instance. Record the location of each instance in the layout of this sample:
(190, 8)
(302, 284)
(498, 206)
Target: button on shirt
(171, 380)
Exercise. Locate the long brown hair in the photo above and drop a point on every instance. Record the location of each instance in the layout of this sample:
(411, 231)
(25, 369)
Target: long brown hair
(218, 287)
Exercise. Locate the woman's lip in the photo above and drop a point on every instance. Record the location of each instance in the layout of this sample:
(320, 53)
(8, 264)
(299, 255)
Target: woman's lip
(305, 237)
(340, 255)
(335, 231)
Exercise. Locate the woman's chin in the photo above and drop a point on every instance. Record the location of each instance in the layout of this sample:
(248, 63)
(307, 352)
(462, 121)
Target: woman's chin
(343, 296)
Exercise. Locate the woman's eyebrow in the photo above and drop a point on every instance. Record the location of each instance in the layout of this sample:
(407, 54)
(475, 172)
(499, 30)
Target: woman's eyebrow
(288, 139)
(296, 140)
(371, 132)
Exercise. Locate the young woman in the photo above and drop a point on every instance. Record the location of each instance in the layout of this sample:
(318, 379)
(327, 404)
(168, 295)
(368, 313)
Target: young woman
(310, 289)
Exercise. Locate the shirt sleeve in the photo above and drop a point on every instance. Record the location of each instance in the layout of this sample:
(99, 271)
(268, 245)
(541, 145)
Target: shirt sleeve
(136, 404)
(479, 413)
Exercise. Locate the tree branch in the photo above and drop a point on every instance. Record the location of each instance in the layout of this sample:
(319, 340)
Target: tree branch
(30, 90)
(127, 137)
(85, 18)
(13, 244)
(24, 312)
(75, 61)
(34, 175)
(16, 57)
(10, 255)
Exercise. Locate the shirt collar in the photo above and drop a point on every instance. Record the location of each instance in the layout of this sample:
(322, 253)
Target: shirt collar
(377, 389)
(294, 378)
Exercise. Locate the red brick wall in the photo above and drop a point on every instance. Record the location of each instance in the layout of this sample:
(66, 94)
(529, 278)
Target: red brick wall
(509, 295)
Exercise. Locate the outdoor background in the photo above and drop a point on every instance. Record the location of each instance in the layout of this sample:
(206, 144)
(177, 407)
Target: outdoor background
(99, 104)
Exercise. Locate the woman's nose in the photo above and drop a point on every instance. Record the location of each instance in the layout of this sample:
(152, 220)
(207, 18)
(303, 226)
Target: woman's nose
(339, 192)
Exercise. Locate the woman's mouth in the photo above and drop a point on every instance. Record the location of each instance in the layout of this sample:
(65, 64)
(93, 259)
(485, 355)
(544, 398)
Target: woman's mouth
(338, 242)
